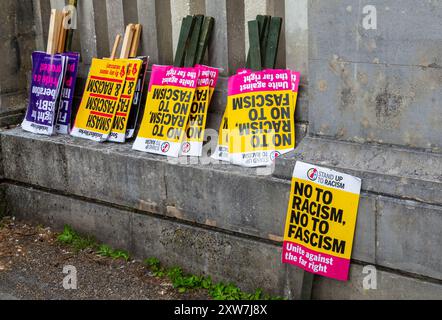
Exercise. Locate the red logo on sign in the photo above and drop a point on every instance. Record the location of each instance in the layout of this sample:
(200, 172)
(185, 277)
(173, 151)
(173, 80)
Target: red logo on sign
(186, 147)
(274, 155)
(165, 147)
(312, 174)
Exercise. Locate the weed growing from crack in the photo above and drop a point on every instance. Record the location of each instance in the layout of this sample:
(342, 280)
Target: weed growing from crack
(218, 291)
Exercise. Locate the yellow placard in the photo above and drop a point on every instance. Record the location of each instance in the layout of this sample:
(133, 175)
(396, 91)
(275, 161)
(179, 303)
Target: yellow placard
(261, 121)
(196, 126)
(104, 88)
(118, 132)
(321, 220)
(221, 151)
(198, 115)
(261, 116)
(167, 113)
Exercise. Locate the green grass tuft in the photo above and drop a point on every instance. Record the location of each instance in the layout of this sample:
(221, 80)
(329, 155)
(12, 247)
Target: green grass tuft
(181, 281)
(72, 238)
(218, 291)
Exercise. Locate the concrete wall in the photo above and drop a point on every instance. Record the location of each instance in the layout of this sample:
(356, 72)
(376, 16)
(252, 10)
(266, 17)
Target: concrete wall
(382, 85)
(16, 45)
(189, 214)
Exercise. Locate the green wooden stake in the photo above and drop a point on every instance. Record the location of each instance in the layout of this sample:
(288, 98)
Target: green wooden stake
(183, 40)
(264, 24)
(70, 32)
(273, 43)
(206, 31)
(190, 59)
(255, 49)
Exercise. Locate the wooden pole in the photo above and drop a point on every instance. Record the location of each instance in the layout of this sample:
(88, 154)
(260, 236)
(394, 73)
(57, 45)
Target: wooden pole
(272, 42)
(255, 49)
(183, 40)
(54, 31)
(206, 31)
(115, 47)
(191, 50)
(62, 37)
(135, 41)
(127, 41)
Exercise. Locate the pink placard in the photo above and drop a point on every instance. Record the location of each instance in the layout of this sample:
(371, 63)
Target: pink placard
(174, 76)
(266, 80)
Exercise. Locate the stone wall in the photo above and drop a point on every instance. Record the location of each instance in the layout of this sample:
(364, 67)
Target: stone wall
(16, 45)
(369, 105)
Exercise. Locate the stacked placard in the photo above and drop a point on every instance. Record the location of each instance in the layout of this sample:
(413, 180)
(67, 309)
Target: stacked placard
(54, 75)
(112, 98)
(179, 96)
(258, 124)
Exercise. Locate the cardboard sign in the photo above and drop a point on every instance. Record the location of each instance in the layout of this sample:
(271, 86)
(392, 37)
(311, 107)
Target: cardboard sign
(169, 100)
(321, 220)
(213, 75)
(222, 149)
(47, 78)
(63, 124)
(261, 111)
(136, 109)
(194, 138)
(98, 107)
(118, 132)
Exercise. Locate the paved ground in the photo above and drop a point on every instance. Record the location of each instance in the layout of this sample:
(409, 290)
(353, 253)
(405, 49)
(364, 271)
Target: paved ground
(32, 262)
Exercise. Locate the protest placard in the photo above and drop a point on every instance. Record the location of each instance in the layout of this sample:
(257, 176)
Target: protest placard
(48, 70)
(261, 112)
(47, 78)
(321, 220)
(63, 124)
(119, 128)
(194, 138)
(136, 109)
(170, 96)
(99, 103)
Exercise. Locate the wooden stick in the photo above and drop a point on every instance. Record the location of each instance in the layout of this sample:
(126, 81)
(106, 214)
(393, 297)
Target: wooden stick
(206, 31)
(191, 51)
(63, 31)
(135, 41)
(183, 40)
(115, 47)
(255, 50)
(52, 26)
(264, 25)
(54, 31)
(272, 42)
(127, 41)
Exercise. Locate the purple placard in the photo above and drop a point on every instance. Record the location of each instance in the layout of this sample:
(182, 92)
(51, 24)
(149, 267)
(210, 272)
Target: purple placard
(47, 77)
(63, 124)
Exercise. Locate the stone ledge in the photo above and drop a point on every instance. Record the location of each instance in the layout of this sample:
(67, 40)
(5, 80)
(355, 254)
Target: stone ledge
(391, 171)
(216, 195)
(226, 257)
(12, 108)
(390, 286)
(219, 195)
